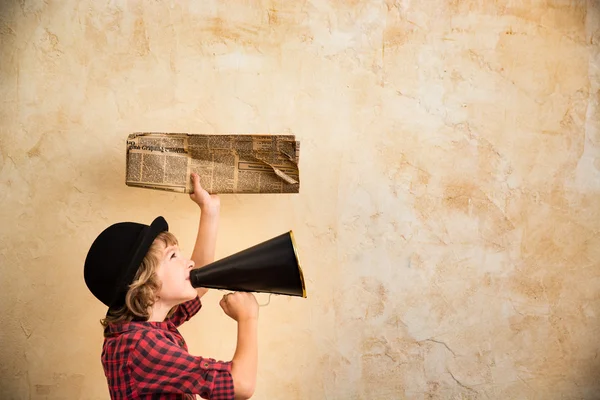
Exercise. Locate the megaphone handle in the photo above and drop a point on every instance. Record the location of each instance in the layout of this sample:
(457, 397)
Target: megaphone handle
(267, 303)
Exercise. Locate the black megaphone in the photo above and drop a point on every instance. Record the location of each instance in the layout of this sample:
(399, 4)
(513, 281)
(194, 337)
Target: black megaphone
(268, 267)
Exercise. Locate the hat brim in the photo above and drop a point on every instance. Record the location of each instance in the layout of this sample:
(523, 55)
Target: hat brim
(145, 240)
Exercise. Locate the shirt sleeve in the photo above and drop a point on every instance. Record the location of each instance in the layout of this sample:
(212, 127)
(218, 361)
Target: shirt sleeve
(185, 311)
(157, 365)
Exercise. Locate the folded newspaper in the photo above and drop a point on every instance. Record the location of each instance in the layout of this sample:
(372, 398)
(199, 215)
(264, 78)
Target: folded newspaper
(225, 163)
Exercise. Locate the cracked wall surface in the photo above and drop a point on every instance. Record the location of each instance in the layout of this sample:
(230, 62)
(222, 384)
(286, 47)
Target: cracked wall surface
(449, 211)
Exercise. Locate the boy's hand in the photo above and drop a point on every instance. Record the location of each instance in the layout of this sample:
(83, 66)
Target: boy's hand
(240, 306)
(207, 202)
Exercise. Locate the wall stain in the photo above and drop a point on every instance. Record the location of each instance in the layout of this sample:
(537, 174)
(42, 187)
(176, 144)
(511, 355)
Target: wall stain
(218, 30)
(469, 199)
(377, 296)
(64, 386)
(6, 30)
(139, 41)
(35, 150)
(273, 18)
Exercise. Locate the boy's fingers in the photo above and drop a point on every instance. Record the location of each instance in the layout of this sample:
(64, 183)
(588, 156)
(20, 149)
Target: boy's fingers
(196, 180)
(195, 183)
(224, 300)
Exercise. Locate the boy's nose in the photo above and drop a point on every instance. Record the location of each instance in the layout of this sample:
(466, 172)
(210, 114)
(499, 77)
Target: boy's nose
(191, 264)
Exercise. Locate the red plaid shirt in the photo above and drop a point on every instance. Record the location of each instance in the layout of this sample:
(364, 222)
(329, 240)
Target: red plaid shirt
(150, 360)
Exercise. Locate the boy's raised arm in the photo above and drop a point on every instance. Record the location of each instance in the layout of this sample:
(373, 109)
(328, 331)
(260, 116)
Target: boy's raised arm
(206, 240)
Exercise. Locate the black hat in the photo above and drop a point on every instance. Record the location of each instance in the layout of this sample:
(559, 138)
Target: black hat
(115, 256)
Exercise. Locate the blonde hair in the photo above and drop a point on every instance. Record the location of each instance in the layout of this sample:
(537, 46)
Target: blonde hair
(143, 291)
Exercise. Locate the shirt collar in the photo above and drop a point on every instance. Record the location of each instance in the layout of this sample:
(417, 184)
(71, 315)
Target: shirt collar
(122, 327)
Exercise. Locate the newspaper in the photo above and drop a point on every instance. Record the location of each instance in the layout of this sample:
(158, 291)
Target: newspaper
(225, 163)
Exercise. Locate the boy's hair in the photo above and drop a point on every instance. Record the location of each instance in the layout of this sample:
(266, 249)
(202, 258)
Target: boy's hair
(143, 291)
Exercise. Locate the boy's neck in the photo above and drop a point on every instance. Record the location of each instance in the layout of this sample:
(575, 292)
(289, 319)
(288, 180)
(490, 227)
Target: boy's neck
(159, 312)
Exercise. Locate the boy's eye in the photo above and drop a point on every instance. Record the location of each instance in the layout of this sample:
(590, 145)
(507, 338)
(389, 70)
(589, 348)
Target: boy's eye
(173, 255)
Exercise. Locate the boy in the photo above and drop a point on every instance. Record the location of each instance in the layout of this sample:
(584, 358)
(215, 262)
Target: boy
(139, 273)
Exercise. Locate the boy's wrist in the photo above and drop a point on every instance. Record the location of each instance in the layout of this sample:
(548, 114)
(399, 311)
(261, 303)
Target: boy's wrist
(210, 210)
(248, 320)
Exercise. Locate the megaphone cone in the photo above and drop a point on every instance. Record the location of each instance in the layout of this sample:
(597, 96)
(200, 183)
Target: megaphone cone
(268, 267)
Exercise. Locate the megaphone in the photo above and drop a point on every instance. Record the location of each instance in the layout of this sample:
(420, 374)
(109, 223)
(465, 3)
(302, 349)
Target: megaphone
(268, 267)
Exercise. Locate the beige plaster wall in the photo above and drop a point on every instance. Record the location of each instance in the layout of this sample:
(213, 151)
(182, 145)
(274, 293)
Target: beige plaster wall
(449, 211)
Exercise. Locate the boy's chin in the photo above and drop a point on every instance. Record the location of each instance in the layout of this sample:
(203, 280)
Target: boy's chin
(186, 295)
(191, 296)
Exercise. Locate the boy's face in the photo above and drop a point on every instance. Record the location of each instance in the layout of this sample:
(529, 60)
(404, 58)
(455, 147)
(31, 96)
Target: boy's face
(174, 274)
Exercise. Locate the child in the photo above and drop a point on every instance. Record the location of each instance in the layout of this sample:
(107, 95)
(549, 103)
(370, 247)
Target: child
(139, 273)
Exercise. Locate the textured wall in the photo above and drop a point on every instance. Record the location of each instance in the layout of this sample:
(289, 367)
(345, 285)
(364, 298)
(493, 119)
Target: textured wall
(449, 211)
